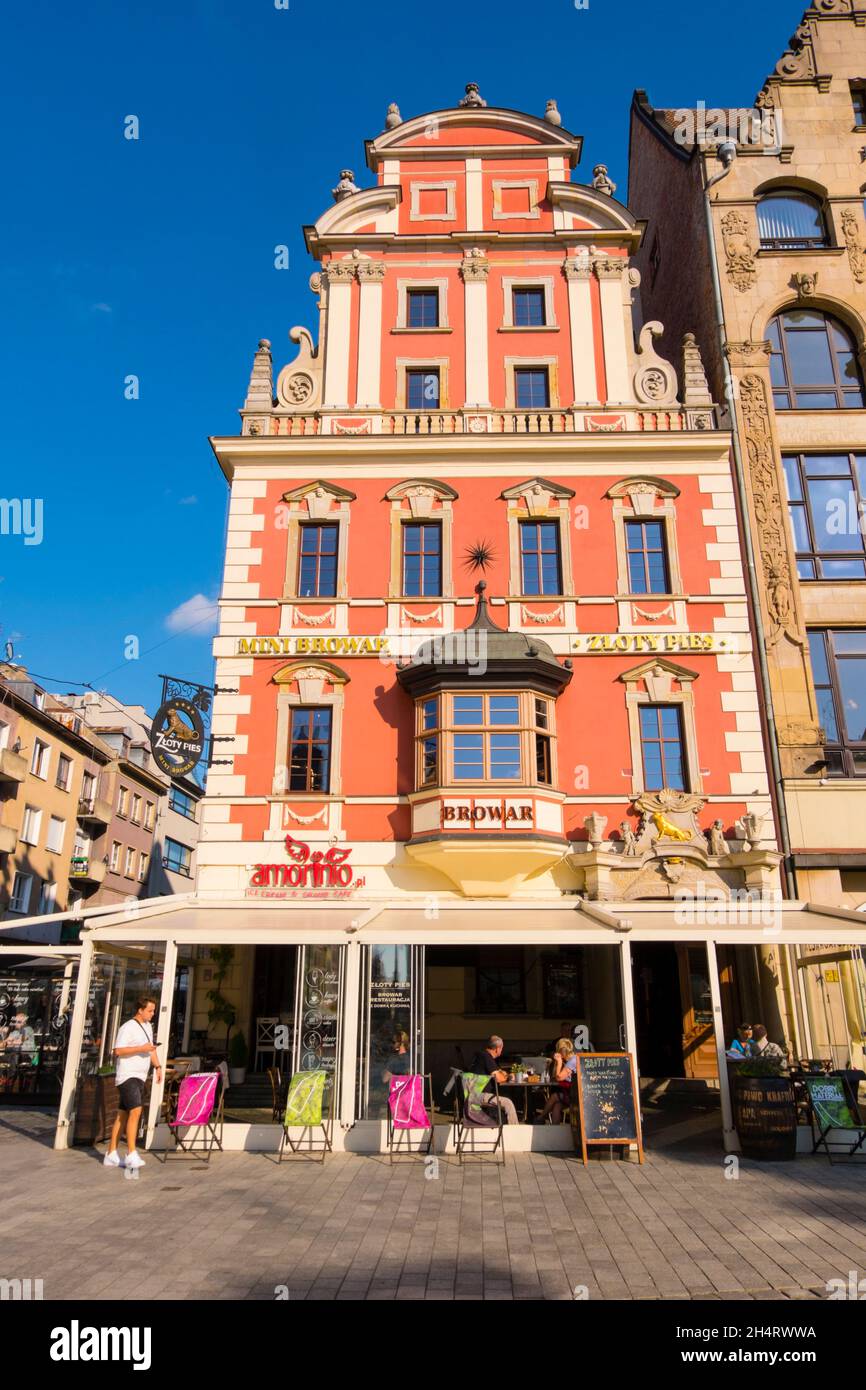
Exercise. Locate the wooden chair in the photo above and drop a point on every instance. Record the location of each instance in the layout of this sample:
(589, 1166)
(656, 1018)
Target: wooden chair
(276, 1080)
(266, 1041)
(305, 1103)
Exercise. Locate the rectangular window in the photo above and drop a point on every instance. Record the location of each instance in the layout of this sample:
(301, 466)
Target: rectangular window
(150, 808)
(40, 758)
(662, 746)
(531, 388)
(64, 772)
(317, 561)
(527, 307)
(135, 815)
(310, 751)
(646, 551)
(422, 308)
(500, 989)
(178, 801)
(142, 866)
(540, 564)
(48, 898)
(543, 755)
(20, 900)
(129, 863)
(429, 772)
(114, 863)
(486, 756)
(839, 672)
(827, 507)
(30, 825)
(177, 857)
(123, 801)
(422, 389)
(4, 735)
(858, 102)
(422, 559)
(56, 835)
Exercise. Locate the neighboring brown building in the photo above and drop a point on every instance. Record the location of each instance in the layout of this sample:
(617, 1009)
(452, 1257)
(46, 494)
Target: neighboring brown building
(790, 252)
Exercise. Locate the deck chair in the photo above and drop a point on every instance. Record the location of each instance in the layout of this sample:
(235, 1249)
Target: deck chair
(304, 1106)
(830, 1108)
(408, 1112)
(477, 1127)
(199, 1112)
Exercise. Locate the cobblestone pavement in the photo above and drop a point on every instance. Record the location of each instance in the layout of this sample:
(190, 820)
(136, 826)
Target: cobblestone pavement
(542, 1227)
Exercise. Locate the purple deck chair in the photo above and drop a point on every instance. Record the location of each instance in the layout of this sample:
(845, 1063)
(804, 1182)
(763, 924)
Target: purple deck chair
(198, 1113)
(408, 1111)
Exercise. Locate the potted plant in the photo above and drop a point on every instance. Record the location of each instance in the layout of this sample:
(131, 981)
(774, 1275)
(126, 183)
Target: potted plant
(238, 1057)
(765, 1113)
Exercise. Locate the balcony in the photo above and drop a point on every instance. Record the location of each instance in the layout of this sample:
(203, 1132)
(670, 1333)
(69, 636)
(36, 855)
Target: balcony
(13, 766)
(94, 810)
(608, 419)
(8, 838)
(86, 870)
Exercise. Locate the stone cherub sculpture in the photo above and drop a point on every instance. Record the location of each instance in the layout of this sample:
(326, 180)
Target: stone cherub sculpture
(716, 838)
(628, 837)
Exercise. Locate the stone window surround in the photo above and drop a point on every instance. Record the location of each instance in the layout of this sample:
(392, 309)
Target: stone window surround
(499, 215)
(449, 186)
(552, 365)
(420, 510)
(301, 509)
(552, 508)
(403, 286)
(658, 676)
(310, 677)
(528, 282)
(420, 364)
(651, 511)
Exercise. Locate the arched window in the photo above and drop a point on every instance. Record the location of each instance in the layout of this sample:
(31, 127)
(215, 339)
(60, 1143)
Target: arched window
(813, 364)
(789, 220)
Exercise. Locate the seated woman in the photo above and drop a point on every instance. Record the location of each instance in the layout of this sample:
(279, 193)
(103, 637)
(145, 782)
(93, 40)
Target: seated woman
(562, 1068)
(399, 1061)
(741, 1047)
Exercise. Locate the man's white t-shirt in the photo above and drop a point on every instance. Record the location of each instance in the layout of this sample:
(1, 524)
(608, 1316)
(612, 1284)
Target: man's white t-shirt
(130, 1034)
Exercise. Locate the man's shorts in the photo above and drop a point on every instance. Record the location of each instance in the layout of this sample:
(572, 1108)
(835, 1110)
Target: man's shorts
(131, 1093)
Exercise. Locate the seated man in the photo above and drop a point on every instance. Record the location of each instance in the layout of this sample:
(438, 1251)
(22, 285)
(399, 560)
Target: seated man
(484, 1064)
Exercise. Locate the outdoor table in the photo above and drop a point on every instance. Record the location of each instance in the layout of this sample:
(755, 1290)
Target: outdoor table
(526, 1087)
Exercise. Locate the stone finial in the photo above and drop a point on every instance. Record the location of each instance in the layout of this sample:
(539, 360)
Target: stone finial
(473, 97)
(393, 117)
(594, 825)
(696, 390)
(602, 181)
(260, 392)
(551, 113)
(346, 187)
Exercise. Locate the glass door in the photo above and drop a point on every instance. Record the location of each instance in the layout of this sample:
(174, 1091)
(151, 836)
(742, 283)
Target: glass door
(318, 1010)
(391, 1032)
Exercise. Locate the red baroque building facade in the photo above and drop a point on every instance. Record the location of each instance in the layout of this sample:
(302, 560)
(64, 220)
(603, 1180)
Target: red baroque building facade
(488, 728)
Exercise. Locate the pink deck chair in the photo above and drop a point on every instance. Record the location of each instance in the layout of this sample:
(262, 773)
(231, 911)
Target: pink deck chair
(198, 1111)
(408, 1111)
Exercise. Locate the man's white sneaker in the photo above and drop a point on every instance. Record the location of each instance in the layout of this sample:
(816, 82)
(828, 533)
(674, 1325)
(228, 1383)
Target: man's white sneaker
(133, 1160)
(112, 1160)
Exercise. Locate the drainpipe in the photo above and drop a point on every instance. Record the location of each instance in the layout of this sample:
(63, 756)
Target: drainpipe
(727, 155)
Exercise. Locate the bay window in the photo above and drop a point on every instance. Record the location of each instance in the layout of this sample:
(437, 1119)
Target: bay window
(489, 737)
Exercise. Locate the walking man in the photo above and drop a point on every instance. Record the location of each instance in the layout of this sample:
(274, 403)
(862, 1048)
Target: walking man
(134, 1049)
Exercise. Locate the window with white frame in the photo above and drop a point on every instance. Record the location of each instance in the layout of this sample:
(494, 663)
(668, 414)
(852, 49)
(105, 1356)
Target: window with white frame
(20, 900)
(40, 759)
(142, 866)
(129, 863)
(64, 772)
(30, 825)
(48, 898)
(4, 735)
(135, 814)
(114, 863)
(149, 811)
(123, 801)
(56, 835)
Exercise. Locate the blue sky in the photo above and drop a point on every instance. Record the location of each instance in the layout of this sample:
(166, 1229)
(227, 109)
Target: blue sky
(155, 257)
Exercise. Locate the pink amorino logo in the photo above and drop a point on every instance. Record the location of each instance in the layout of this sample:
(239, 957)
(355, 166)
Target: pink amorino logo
(308, 868)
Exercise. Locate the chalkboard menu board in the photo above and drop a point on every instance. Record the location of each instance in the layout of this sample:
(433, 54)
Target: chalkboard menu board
(608, 1100)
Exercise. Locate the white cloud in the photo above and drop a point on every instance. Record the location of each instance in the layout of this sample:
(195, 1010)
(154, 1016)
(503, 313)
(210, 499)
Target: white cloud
(197, 613)
(101, 309)
(187, 501)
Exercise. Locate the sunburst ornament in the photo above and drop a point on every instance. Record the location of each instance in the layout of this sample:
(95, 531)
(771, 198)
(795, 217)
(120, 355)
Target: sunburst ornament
(479, 556)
